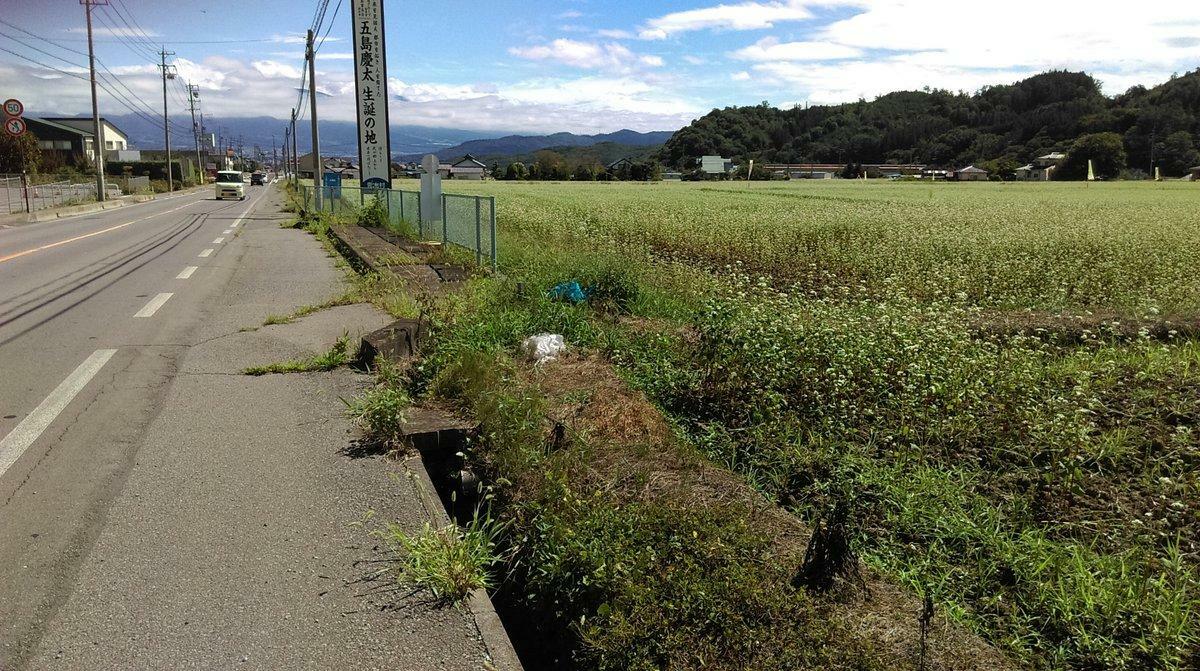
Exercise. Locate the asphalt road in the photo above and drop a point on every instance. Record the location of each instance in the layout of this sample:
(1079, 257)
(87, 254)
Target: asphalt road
(157, 508)
(94, 312)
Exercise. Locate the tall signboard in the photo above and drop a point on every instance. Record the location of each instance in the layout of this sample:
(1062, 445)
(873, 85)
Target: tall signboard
(370, 79)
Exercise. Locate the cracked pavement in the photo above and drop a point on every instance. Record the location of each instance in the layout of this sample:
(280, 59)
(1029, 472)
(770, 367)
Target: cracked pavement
(177, 514)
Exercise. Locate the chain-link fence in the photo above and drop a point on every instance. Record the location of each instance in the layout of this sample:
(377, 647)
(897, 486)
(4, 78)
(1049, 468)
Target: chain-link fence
(466, 221)
(470, 221)
(31, 193)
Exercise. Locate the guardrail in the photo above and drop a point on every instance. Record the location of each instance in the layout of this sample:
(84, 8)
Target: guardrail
(30, 193)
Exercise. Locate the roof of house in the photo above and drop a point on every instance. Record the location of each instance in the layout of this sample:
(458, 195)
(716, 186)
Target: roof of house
(971, 168)
(1054, 156)
(626, 159)
(1028, 166)
(84, 123)
(1194, 169)
(467, 159)
(60, 126)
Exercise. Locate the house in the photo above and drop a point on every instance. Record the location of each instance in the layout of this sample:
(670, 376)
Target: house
(304, 165)
(115, 139)
(467, 167)
(65, 143)
(935, 173)
(1042, 167)
(616, 165)
(715, 165)
(1194, 174)
(971, 174)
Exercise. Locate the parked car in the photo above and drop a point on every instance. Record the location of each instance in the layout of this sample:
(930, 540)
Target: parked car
(257, 179)
(230, 184)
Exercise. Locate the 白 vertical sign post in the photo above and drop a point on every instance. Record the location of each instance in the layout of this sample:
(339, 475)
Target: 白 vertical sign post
(370, 81)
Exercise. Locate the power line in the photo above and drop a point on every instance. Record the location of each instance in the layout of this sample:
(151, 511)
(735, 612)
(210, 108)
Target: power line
(44, 39)
(114, 79)
(124, 103)
(329, 27)
(140, 51)
(111, 74)
(133, 18)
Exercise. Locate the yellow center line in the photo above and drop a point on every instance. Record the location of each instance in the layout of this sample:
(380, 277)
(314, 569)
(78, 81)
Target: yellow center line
(33, 250)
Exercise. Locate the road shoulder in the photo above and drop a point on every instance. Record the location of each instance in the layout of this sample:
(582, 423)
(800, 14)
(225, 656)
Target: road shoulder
(239, 537)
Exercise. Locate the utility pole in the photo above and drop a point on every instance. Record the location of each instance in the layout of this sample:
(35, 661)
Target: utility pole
(167, 73)
(193, 96)
(286, 151)
(98, 130)
(295, 155)
(318, 166)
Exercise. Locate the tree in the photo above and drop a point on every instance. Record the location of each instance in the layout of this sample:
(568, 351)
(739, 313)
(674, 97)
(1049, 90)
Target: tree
(585, 172)
(1178, 154)
(19, 153)
(1106, 151)
(516, 171)
(551, 165)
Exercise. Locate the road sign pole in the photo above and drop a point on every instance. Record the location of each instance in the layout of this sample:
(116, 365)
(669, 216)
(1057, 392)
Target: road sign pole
(25, 191)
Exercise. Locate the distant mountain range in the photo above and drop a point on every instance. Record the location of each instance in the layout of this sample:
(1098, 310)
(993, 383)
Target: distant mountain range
(523, 145)
(339, 138)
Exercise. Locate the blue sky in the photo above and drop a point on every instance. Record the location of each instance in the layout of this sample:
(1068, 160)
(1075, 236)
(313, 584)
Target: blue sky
(588, 65)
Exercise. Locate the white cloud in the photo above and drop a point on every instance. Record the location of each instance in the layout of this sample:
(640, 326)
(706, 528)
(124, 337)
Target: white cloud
(740, 16)
(771, 49)
(589, 55)
(891, 45)
(615, 34)
(742, 76)
(272, 69)
(1102, 35)
(694, 60)
(298, 38)
(116, 31)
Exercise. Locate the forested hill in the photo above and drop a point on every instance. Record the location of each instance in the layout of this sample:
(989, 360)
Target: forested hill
(1000, 126)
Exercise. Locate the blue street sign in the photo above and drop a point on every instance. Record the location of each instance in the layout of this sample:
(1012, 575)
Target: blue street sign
(333, 182)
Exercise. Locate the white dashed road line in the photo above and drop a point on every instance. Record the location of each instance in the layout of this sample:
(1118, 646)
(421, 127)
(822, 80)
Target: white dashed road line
(218, 241)
(227, 231)
(153, 306)
(20, 438)
(186, 272)
(206, 253)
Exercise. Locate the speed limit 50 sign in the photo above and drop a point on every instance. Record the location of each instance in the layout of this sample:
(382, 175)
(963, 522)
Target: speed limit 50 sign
(14, 126)
(13, 107)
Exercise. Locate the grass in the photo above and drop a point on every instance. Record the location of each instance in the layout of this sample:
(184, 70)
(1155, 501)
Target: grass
(339, 355)
(305, 310)
(821, 340)
(448, 562)
(380, 411)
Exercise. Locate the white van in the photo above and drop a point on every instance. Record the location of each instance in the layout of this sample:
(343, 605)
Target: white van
(230, 185)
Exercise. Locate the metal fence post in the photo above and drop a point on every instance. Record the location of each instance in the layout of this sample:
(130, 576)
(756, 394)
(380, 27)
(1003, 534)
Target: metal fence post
(493, 218)
(478, 232)
(25, 191)
(445, 222)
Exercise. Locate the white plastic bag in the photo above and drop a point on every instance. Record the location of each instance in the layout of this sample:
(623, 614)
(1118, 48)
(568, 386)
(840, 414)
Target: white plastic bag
(543, 347)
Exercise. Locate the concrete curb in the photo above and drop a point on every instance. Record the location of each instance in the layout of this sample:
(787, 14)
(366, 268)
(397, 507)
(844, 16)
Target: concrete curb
(86, 208)
(491, 628)
(487, 621)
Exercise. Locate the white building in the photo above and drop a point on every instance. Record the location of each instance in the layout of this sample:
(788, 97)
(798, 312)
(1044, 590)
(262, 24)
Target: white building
(114, 138)
(715, 165)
